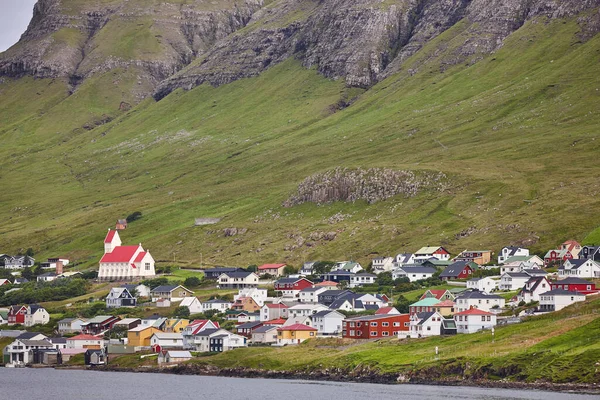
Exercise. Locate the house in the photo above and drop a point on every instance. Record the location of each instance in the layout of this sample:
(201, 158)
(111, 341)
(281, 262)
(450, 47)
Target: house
(245, 304)
(529, 261)
(347, 266)
(479, 257)
(403, 259)
(440, 294)
(414, 272)
(575, 285)
(193, 304)
(474, 320)
(124, 262)
(590, 253)
(215, 273)
(295, 334)
(127, 323)
(84, 341)
(140, 335)
(20, 281)
(237, 280)
(99, 324)
(511, 251)
(216, 304)
(350, 303)
(382, 264)
(479, 300)
(247, 328)
(387, 310)
(328, 322)
(193, 329)
(173, 293)
(557, 299)
(338, 276)
(47, 277)
(271, 311)
(20, 352)
(266, 334)
(275, 270)
(3, 317)
(175, 325)
(513, 280)
(581, 268)
(375, 326)
(18, 262)
(155, 321)
(425, 305)
(56, 263)
(572, 247)
(486, 284)
(120, 297)
(5, 282)
(259, 295)
(245, 316)
(361, 279)
(60, 343)
(425, 324)
(307, 268)
(445, 307)
(226, 341)
(36, 315)
(16, 315)
(329, 285)
(70, 325)
(138, 290)
(329, 296)
(173, 356)
(311, 295)
(436, 252)
(535, 286)
(95, 357)
(121, 224)
(434, 262)
(163, 303)
(557, 256)
(164, 341)
(458, 270)
(305, 310)
(291, 287)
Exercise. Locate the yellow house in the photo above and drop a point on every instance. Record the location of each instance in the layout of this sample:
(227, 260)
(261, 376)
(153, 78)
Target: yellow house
(176, 325)
(140, 336)
(446, 308)
(294, 334)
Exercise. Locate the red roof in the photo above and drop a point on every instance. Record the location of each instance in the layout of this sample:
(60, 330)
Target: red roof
(279, 321)
(84, 337)
(278, 305)
(474, 311)
(384, 310)
(445, 303)
(120, 254)
(271, 266)
(140, 256)
(109, 236)
(297, 327)
(437, 293)
(327, 283)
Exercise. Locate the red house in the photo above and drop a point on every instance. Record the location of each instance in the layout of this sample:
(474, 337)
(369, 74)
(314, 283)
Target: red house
(16, 315)
(557, 257)
(99, 324)
(575, 285)
(375, 326)
(458, 270)
(292, 284)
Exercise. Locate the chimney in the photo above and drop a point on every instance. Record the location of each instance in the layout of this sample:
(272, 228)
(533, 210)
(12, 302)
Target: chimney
(59, 267)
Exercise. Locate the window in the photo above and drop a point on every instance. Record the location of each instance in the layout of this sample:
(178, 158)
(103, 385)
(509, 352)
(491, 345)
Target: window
(373, 323)
(373, 333)
(386, 333)
(407, 324)
(396, 323)
(385, 324)
(483, 318)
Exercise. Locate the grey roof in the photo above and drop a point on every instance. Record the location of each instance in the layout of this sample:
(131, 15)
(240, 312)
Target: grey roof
(66, 320)
(337, 303)
(216, 301)
(335, 292)
(287, 280)
(237, 274)
(518, 274)
(370, 317)
(560, 292)
(165, 288)
(418, 270)
(366, 274)
(265, 328)
(476, 294)
(207, 332)
(572, 281)
(249, 325)
(58, 340)
(424, 316)
(339, 272)
(28, 342)
(220, 336)
(323, 313)
(454, 269)
(312, 289)
(448, 323)
(535, 271)
(28, 335)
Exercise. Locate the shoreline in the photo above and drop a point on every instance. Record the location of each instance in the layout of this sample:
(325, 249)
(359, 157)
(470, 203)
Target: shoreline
(343, 376)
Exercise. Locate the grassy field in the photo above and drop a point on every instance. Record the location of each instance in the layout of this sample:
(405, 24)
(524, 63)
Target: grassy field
(500, 129)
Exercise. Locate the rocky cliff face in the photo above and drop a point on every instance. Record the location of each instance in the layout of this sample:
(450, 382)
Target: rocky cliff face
(76, 40)
(360, 41)
(363, 41)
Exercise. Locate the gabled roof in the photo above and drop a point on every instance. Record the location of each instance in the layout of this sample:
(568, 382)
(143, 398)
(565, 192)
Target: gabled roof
(284, 281)
(178, 354)
(366, 274)
(426, 302)
(85, 337)
(28, 335)
(168, 288)
(271, 266)
(327, 283)
(386, 310)
(445, 303)
(109, 236)
(275, 305)
(120, 254)
(278, 321)
(323, 313)
(140, 256)
(517, 274)
(168, 336)
(429, 250)
(437, 293)
(297, 327)
(99, 319)
(561, 292)
(418, 269)
(424, 316)
(238, 274)
(474, 311)
(264, 329)
(249, 325)
(476, 294)
(216, 301)
(572, 281)
(455, 269)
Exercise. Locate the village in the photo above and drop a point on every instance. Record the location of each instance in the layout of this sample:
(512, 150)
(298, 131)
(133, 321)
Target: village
(275, 305)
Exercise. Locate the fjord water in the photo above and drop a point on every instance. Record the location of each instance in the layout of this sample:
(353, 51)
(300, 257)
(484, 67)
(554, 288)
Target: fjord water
(76, 385)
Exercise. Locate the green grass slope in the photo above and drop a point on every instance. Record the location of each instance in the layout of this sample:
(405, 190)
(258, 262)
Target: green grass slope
(516, 134)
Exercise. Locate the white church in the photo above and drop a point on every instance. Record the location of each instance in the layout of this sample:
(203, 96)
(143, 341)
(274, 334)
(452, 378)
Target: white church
(124, 262)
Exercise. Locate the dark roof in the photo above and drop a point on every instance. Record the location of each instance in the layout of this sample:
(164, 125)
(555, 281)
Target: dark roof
(576, 263)
(59, 339)
(249, 325)
(223, 269)
(28, 335)
(165, 288)
(339, 272)
(424, 316)
(207, 332)
(339, 302)
(476, 294)
(237, 274)
(323, 313)
(560, 292)
(287, 280)
(332, 293)
(312, 289)
(535, 271)
(572, 281)
(419, 270)
(35, 307)
(518, 274)
(365, 274)
(216, 301)
(265, 328)
(454, 269)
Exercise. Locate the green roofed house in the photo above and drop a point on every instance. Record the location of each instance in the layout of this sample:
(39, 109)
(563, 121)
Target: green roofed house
(425, 305)
(3, 317)
(349, 266)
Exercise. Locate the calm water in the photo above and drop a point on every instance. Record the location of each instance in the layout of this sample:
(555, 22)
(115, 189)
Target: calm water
(30, 384)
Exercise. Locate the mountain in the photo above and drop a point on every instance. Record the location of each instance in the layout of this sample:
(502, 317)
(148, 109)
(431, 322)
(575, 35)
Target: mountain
(310, 129)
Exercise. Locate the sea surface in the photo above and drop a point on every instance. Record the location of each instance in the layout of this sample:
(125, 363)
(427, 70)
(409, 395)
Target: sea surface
(33, 384)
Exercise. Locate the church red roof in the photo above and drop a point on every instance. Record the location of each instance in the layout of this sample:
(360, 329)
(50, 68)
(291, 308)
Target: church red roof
(120, 254)
(109, 236)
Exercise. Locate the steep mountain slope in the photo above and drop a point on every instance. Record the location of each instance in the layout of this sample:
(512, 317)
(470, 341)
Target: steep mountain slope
(513, 132)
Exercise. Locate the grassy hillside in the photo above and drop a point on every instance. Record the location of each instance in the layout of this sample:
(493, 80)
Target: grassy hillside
(515, 133)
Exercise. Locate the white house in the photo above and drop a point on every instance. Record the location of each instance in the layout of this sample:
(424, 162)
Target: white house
(84, 341)
(474, 320)
(362, 279)
(557, 299)
(311, 295)
(173, 293)
(237, 280)
(307, 268)
(581, 268)
(190, 339)
(382, 264)
(348, 266)
(193, 304)
(162, 340)
(513, 280)
(216, 304)
(18, 262)
(478, 300)
(36, 315)
(534, 287)
(47, 277)
(218, 340)
(20, 352)
(432, 252)
(124, 262)
(486, 284)
(305, 310)
(271, 311)
(259, 295)
(403, 259)
(530, 262)
(328, 322)
(266, 334)
(511, 251)
(425, 324)
(70, 325)
(173, 356)
(413, 272)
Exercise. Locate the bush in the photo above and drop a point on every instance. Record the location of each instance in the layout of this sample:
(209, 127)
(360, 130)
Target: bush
(182, 312)
(135, 216)
(152, 283)
(192, 281)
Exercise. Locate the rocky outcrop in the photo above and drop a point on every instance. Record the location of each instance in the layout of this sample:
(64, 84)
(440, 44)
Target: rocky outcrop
(363, 41)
